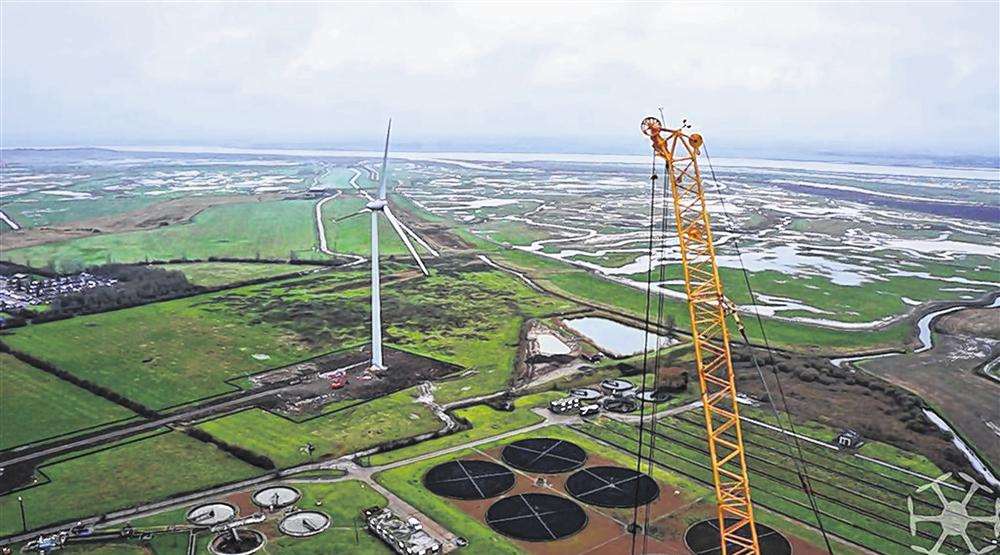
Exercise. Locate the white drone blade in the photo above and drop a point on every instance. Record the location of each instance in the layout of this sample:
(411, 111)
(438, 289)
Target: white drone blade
(383, 177)
(406, 240)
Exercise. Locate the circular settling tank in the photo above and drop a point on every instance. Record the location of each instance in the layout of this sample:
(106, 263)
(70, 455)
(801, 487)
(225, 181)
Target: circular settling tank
(586, 394)
(612, 486)
(211, 514)
(304, 523)
(620, 404)
(653, 396)
(469, 479)
(702, 538)
(544, 455)
(243, 542)
(617, 387)
(536, 517)
(276, 497)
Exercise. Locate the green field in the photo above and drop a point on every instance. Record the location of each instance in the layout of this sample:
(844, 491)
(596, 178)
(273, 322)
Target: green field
(346, 431)
(215, 274)
(128, 473)
(486, 422)
(268, 229)
(353, 235)
(173, 352)
(866, 302)
(35, 405)
(477, 318)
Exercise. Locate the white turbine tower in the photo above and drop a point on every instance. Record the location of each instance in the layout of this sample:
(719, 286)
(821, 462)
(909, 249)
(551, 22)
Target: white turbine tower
(376, 206)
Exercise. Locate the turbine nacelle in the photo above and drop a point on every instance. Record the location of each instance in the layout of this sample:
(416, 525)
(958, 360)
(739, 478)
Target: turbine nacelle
(376, 204)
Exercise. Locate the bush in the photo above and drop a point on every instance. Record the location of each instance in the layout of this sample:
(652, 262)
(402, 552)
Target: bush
(808, 375)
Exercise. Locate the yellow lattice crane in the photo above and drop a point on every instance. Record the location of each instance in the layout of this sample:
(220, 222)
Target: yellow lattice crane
(708, 308)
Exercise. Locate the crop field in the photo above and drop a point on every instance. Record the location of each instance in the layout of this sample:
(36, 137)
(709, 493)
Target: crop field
(162, 354)
(25, 392)
(215, 274)
(280, 229)
(187, 348)
(859, 501)
(144, 469)
(342, 432)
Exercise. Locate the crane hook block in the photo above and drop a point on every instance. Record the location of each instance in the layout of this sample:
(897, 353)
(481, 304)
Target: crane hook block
(696, 140)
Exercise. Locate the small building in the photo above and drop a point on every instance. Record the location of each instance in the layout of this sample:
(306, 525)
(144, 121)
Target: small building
(849, 439)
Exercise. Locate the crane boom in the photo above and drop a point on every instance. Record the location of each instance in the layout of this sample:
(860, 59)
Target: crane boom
(708, 308)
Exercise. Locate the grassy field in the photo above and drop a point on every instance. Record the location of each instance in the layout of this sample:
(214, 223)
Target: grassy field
(269, 229)
(169, 353)
(27, 392)
(486, 422)
(353, 235)
(214, 274)
(346, 431)
(477, 318)
(161, 354)
(144, 470)
(174, 352)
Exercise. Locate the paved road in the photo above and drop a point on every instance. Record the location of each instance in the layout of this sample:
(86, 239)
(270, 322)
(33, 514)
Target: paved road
(321, 232)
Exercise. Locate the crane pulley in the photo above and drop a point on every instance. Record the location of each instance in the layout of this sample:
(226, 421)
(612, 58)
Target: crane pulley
(708, 308)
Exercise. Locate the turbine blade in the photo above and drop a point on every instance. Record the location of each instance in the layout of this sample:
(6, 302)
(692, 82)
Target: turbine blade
(420, 241)
(406, 240)
(385, 164)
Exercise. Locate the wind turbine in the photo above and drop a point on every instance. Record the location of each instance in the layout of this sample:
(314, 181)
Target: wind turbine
(376, 206)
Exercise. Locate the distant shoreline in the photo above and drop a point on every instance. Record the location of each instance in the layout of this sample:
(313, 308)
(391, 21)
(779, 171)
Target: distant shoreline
(956, 172)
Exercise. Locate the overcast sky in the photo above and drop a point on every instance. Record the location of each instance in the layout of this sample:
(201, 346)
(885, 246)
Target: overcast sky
(851, 77)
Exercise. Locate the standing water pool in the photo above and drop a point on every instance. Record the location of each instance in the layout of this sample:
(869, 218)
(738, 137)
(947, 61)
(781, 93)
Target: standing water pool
(613, 337)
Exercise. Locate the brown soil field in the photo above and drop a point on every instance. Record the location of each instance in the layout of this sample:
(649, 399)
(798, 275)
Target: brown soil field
(966, 399)
(438, 235)
(313, 394)
(157, 215)
(978, 322)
